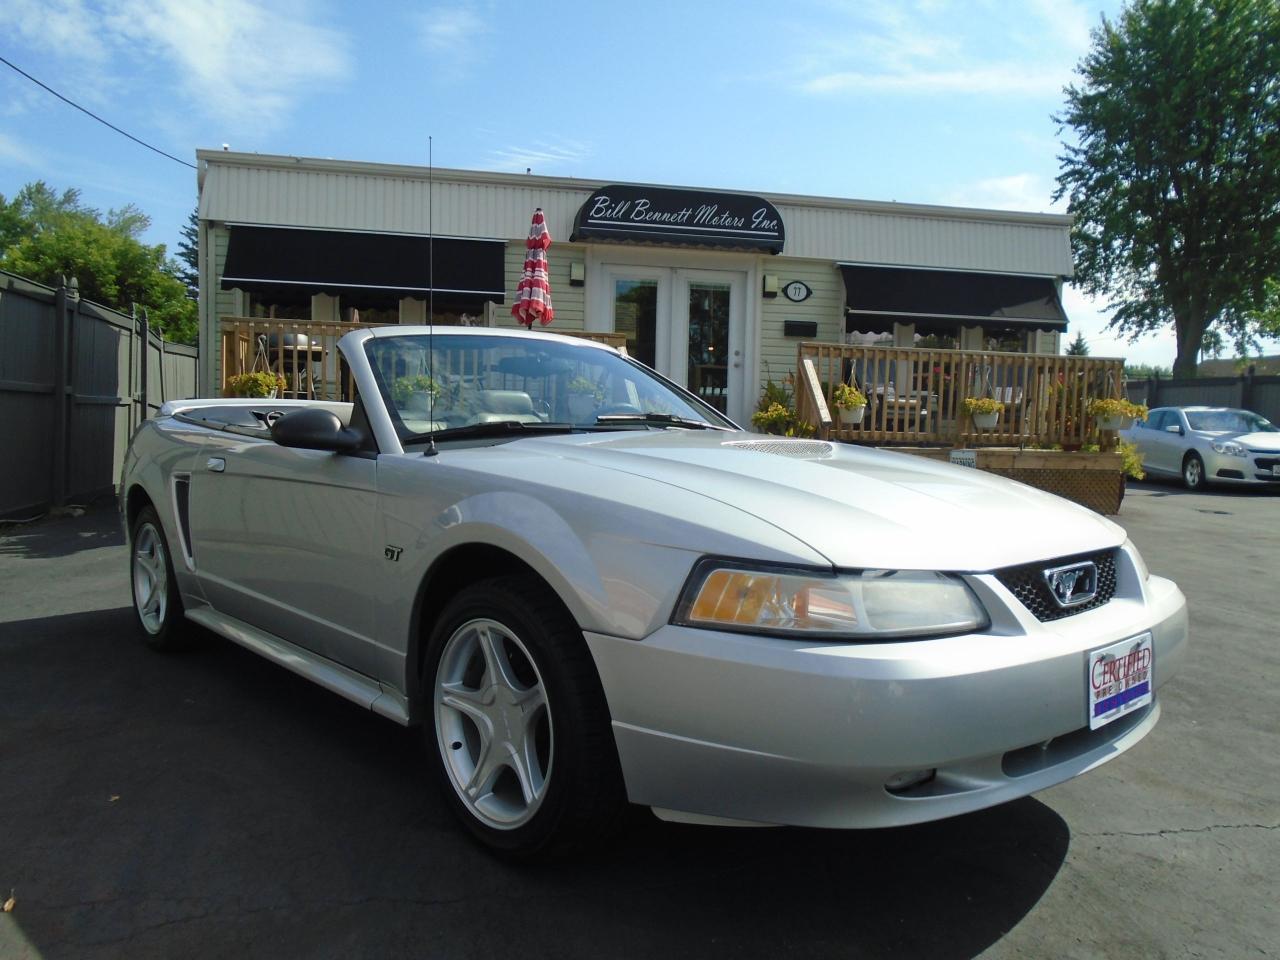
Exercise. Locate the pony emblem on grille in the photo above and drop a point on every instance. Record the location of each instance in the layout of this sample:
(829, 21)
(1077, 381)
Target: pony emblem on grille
(1073, 584)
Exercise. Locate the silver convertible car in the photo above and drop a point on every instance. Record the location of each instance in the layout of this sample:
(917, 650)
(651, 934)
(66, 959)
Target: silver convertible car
(1205, 445)
(590, 588)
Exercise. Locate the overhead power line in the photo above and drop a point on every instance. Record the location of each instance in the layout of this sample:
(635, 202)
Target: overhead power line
(70, 102)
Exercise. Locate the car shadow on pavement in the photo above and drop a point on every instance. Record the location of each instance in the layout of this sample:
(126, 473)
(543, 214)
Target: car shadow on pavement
(62, 536)
(212, 804)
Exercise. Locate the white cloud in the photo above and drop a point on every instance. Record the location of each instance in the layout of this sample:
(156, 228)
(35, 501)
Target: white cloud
(1019, 191)
(997, 79)
(234, 60)
(1089, 316)
(541, 157)
(924, 47)
(449, 29)
(15, 152)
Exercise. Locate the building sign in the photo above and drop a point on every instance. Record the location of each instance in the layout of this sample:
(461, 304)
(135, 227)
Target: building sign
(964, 458)
(686, 217)
(797, 291)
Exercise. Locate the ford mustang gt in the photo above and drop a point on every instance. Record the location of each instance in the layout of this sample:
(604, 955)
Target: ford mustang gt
(590, 589)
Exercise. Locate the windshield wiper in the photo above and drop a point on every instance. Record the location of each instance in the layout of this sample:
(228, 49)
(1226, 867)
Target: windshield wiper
(493, 428)
(658, 419)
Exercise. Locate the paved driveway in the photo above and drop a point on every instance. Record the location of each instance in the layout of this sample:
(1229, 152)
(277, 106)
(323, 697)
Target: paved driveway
(212, 805)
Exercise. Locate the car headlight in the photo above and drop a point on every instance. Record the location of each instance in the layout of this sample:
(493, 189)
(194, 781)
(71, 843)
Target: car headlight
(1230, 448)
(1139, 564)
(864, 605)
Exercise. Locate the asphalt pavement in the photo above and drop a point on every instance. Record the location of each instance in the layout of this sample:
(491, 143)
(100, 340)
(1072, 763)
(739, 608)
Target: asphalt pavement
(210, 804)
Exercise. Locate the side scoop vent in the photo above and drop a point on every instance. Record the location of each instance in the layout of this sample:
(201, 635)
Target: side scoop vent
(798, 449)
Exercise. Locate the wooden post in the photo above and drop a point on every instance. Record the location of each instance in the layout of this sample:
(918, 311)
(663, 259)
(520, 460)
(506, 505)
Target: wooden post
(58, 481)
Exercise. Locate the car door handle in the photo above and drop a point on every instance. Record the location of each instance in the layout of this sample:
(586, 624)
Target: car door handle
(216, 464)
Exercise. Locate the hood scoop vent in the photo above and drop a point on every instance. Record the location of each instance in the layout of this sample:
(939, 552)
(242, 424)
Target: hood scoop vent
(797, 449)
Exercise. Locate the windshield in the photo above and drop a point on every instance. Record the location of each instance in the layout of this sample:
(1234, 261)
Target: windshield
(1229, 421)
(448, 380)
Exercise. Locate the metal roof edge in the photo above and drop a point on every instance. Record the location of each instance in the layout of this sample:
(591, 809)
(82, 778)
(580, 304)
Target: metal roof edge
(585, 185)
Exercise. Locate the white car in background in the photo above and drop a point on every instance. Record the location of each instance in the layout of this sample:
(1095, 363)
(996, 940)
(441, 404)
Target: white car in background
(1208, 445)
(589, 588)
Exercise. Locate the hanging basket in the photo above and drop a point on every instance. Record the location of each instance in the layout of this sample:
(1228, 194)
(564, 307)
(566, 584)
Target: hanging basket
(1115, 423)
(985, 421)
(852, 416)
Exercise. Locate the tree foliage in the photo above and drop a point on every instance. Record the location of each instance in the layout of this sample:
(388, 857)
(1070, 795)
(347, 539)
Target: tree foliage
(45, 235)
(189, 255)
(1175, 178)
(1079, 347)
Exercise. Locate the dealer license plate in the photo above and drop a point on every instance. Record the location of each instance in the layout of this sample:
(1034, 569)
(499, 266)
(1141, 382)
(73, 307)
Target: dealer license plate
(1119, 679)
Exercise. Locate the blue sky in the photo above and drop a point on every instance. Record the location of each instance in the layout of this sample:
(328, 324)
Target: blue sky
(915, 100)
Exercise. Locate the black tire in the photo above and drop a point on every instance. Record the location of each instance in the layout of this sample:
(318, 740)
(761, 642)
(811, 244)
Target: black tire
(564, 734)
(1193, 477)
(159, 612)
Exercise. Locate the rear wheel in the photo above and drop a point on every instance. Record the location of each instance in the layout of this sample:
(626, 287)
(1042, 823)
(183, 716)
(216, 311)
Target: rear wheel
(155, 591)
(516, 722)
(1193, 471)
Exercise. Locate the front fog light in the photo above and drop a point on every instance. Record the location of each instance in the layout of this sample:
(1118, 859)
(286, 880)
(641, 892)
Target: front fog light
(901, 782)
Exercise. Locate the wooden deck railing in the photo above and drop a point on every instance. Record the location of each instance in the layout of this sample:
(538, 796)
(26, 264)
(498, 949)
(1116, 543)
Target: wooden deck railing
(312, 368)
(917, 395)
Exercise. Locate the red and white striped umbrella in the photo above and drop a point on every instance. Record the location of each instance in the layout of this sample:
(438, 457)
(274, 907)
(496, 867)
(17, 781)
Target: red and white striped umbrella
(533, 293)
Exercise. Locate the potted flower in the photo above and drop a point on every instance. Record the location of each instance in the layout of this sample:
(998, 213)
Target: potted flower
(415, 392)
(584, 397)
(262, 383)
(984, 410)
(1114, 413)
(851, 402)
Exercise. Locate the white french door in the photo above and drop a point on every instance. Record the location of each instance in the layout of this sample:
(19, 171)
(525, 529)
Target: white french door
(687, 324)
(707, 332)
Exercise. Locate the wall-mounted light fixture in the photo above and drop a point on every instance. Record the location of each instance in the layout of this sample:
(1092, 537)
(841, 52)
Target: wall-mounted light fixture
(577, 273)
(770, 285)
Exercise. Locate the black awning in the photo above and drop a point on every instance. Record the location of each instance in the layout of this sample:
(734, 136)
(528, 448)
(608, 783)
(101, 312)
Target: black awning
(330, 261)
(936, 300)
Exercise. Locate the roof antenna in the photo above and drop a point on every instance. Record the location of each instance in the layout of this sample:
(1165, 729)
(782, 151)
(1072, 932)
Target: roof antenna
(431, 450)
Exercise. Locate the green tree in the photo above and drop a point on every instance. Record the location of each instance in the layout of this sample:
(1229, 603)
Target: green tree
(1174, 180)
(45, 236)
(1078, 347)
(189, 255)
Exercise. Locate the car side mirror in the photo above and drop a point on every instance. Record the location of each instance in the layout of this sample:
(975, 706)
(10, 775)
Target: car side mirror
(313, 429)
(1174, 428)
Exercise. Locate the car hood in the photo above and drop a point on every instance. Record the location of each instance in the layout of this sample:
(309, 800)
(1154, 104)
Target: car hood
(1254, 441)
(856, 506)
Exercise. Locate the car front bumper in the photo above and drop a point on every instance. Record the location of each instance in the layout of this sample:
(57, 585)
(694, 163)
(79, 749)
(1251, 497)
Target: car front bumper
(1255, 469)
(724, 727)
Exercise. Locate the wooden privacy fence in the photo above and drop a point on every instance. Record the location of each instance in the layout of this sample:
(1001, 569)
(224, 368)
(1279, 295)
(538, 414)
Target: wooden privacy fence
(305, 353)
(76, 379)
(917, 395)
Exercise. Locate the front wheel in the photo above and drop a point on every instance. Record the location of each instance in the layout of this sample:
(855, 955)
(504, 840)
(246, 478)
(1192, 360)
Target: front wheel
(1193, 471)
(156, 600)
(517, 727)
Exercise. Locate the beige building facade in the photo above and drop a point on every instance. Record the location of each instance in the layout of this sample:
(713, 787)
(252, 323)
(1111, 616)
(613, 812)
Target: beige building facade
(713, 288)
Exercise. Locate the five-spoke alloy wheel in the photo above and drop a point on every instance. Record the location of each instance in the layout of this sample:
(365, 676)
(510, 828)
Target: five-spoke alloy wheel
(493, 726)
(517, 726)
(155, 591)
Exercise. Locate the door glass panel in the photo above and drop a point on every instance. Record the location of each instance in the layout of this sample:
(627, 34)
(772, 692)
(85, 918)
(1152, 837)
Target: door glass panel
(635, 313)
(709, 342)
